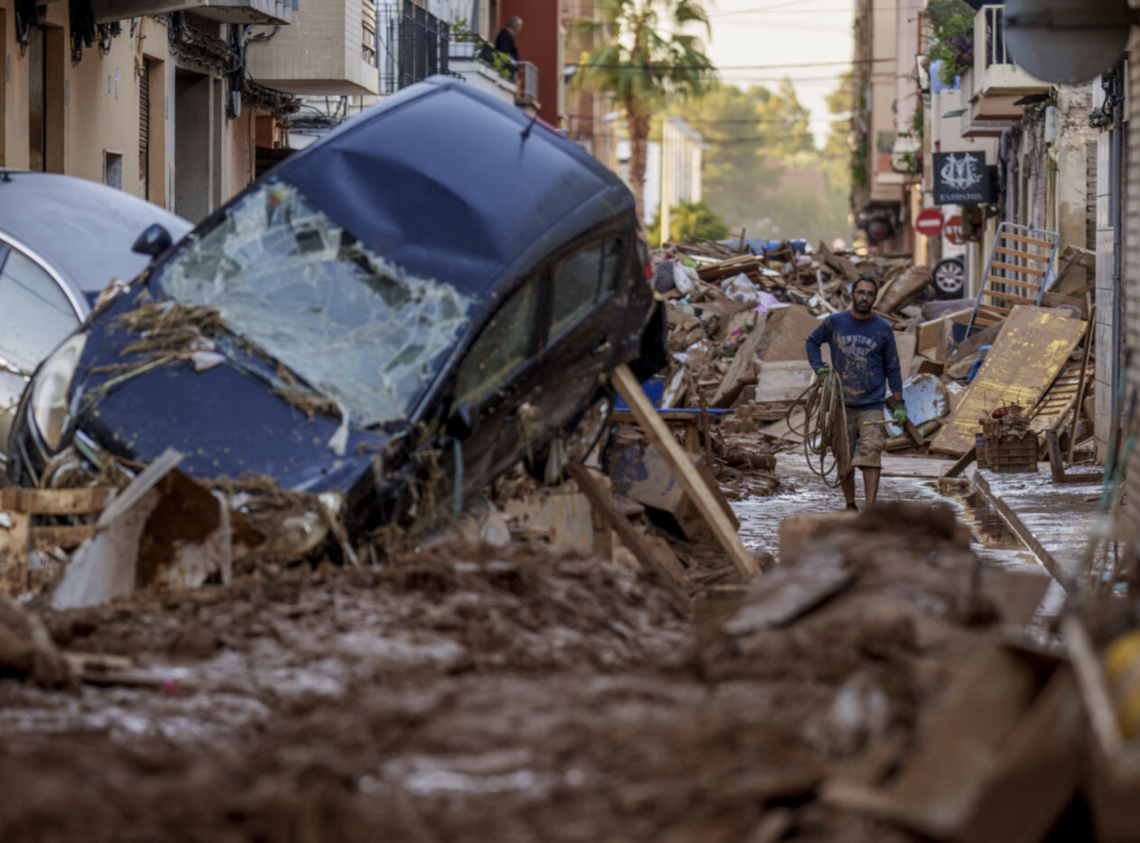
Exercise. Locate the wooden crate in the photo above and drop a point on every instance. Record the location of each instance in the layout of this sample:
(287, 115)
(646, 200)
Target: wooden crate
(1010, 455)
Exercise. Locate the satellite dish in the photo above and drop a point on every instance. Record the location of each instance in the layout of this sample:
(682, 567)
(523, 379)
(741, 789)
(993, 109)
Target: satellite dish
(1067, 41)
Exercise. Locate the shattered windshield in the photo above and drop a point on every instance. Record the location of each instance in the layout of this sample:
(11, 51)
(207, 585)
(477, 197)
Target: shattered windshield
(291, 280)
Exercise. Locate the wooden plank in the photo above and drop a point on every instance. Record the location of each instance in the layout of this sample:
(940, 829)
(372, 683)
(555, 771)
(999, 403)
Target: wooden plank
(1024, 285)
(694, 485)
(1030, 240)
(1033, 347)
(55, 501)
(993, 309)
(1026, 269)
(994, 294)
(15, 580)
(962, 463)
(741, 371)
(1001, 250)
(669, 570)
(1061, 300)
(975, 341)
(1090, 335)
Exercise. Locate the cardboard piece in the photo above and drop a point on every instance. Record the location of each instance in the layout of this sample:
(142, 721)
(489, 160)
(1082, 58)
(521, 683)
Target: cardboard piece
(784, 380)
(785, 335)
(1032, 348)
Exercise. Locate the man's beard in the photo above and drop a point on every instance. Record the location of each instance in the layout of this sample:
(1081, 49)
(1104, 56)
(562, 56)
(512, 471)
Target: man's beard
(863, 307)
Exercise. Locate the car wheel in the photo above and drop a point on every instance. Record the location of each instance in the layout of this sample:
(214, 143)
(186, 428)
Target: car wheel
(950, 278)
(575, 445)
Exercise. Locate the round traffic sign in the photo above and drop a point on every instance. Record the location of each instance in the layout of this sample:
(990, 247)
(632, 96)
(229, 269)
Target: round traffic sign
(953, 230)
(929, 222)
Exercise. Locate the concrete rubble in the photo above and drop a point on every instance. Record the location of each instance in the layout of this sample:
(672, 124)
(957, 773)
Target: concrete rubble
(609, 657)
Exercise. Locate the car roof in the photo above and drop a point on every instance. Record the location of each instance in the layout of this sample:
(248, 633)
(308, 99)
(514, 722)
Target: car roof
(449, 183)
(84, 230)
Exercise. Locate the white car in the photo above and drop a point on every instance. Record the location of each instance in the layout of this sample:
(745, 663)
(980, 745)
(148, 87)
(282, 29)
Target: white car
(62, 241)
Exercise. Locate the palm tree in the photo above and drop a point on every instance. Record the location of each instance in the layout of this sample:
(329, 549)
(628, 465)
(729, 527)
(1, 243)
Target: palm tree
(633, 56)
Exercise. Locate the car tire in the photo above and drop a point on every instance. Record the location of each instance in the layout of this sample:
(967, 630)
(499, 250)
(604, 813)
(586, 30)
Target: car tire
(575, 445)
(950, 278)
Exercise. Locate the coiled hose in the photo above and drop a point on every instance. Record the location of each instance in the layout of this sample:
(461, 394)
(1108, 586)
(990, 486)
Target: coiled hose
(825, 428)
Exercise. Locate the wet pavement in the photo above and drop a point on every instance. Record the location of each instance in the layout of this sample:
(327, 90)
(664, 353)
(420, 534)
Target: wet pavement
(996, 543)
(1055, 520)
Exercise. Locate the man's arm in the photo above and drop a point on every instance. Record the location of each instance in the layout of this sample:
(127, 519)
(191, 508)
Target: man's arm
(892, 366)
(818, 337)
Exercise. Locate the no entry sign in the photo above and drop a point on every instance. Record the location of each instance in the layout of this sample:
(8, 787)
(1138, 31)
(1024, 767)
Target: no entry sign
(954, 230)
(929, 222)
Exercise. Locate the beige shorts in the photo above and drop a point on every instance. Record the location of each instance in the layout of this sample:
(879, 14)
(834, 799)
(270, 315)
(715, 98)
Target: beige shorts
(866, 441)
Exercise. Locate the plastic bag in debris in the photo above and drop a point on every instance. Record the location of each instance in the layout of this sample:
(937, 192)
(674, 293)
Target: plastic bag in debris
(766, 303)
(685, 279)
(740, 288)
(663, 277)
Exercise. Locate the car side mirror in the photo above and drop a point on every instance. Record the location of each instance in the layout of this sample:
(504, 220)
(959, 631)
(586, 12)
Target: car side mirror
(461, 423)
(154, 241)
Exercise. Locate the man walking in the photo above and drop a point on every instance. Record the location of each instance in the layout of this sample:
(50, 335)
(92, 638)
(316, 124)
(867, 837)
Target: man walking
(864, 355)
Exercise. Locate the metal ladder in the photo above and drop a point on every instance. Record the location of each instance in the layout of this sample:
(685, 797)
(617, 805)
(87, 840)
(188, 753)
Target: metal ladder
(1016, 273)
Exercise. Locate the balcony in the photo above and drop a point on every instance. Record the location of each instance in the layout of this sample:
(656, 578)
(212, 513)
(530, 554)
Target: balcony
(416, 45)
(526, 96)
(270, 12)
(996, 75)
(330, 48)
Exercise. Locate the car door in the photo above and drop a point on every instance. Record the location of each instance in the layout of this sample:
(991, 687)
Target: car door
(35, 316)
(496, 374)
(587, 298)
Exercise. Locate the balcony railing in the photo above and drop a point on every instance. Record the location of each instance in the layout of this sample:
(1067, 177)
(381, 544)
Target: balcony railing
(996, 74)
(527, 93)
(418, 45)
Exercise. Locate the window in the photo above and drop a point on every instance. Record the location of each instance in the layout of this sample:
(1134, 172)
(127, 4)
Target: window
(505, 343)
(575, 286)
(36, 315)
(611, 266)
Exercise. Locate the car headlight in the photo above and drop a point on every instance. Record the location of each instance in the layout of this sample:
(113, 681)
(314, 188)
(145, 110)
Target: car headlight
(50, 389)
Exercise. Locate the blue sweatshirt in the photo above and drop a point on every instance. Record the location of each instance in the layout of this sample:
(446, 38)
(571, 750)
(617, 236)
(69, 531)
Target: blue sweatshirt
(863, 352)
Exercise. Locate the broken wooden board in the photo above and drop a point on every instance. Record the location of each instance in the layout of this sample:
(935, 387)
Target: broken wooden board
(1032, 348)
(937, 336)
(741, 372)
(650, 557)
(907, 346)
(695, 486)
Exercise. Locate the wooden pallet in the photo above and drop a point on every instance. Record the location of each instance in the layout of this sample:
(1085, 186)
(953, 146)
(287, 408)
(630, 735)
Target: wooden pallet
(21, 537)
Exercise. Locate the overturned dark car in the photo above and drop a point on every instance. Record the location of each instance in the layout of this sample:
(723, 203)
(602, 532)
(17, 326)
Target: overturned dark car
(431, 293)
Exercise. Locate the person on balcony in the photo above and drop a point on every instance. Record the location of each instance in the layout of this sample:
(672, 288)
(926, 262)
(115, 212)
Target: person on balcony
(506, 44)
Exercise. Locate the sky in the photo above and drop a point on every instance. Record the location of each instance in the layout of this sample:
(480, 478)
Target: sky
(749, 36)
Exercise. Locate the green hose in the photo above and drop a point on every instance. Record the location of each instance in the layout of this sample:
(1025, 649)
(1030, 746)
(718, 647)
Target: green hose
(825, 428)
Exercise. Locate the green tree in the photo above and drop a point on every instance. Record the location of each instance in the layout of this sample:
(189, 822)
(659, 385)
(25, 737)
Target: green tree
(695, 218)
(637, 50)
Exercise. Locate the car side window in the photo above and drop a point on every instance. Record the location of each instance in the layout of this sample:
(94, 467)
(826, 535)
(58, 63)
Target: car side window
(612, 254)
(506, 342)
(575, 286)
(35, 314)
